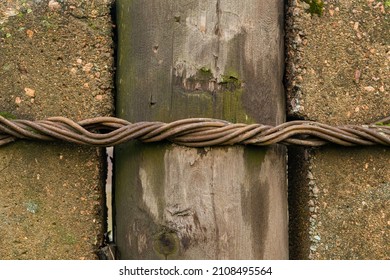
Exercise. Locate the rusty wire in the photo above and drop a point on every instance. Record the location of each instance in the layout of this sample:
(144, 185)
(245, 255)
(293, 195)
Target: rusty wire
(194, 132)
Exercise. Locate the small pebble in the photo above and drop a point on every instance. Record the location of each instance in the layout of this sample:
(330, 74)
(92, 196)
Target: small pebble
(357, 75)
(369, 88)
(29, 33)
(29, 91)
(315, 190)
(87, 67)
(316, 237)
(296, 12)
(298, 39)
(54, 5)
(32, 207)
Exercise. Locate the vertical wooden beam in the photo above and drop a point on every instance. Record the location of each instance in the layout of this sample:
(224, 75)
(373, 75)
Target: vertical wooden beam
(221, 59)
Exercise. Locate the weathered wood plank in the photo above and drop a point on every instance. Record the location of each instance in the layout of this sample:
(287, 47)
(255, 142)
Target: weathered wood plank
(220, 59)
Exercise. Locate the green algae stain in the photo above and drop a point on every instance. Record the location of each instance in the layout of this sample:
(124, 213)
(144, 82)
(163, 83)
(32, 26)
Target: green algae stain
(166, 243)
(316, 7)
(152, 160)
(8, 116)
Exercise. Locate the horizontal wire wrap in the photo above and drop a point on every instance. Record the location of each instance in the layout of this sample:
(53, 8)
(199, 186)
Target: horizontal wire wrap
(194, 132)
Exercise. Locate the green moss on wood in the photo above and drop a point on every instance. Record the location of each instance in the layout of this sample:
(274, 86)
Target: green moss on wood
(153, 162)
(166, 243)
(254, 158)
(231, 78)
(205, 70)
(233, 107)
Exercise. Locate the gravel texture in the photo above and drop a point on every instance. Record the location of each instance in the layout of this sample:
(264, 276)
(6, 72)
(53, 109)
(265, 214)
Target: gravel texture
(337, 72)
(56, 59)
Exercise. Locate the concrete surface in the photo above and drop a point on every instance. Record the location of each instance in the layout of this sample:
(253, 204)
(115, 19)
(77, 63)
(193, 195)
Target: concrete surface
(55, 59)
(337, 72)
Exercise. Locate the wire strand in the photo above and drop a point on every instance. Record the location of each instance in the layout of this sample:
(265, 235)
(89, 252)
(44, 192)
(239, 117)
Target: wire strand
(193, 132)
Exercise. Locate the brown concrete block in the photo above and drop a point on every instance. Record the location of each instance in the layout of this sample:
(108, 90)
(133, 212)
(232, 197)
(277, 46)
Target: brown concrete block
(55, 60)
(337, 73)
(350, 193)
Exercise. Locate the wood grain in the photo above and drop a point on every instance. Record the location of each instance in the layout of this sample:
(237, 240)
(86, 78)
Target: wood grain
(221, 59)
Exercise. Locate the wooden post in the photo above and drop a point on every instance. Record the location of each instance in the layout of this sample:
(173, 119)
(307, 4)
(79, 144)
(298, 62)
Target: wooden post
(220, 59)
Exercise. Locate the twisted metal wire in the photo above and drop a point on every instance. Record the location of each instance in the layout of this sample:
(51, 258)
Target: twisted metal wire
(194, 132)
